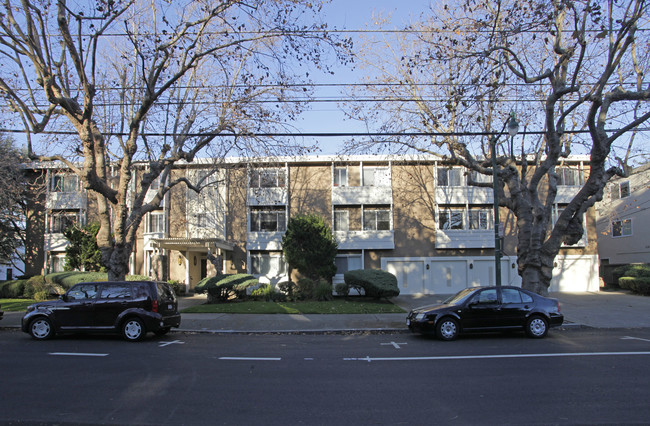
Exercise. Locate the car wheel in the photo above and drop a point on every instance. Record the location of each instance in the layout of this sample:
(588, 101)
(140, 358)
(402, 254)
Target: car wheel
(447, 329)
(537, 327)
(133, 329)
(162, 331)
(41, 329)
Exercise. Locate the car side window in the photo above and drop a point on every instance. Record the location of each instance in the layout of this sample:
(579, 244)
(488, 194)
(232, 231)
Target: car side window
(486, 297)
(525, 297)
(511, 295)
(83, 291)
(116, 291)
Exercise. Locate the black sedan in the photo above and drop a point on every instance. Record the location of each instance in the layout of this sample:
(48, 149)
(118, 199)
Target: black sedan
(487, 309)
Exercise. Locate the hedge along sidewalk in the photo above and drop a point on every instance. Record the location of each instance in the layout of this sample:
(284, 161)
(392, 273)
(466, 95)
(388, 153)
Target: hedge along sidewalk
(351, 305)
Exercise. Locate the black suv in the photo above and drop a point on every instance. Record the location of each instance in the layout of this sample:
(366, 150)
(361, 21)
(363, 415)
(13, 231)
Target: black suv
(129, 307)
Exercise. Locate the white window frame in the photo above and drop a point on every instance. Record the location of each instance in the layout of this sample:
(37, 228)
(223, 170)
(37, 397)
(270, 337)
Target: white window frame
(341, 220)
(64, 182)
(621, 190)
(625, 231)
(155, 221)
(347, 257)
(267, 178)
(450, 212)
(445, 175)
(274, 270)
(563, 172)
(340, 177)
(372, 177)
(56, 224)
(485, 217)
(371, 217)
(256, 221)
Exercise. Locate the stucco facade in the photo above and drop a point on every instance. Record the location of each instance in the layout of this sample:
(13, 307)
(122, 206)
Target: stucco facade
(415, 217)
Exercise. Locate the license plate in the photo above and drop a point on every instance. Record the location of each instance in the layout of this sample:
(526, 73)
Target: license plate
(170, 307)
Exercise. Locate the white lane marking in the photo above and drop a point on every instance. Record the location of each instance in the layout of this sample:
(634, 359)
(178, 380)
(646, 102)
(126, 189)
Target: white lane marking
(75, 354)
(455, 357)
(248, 358)
(395, 345)
(634, 338)
(177, 342)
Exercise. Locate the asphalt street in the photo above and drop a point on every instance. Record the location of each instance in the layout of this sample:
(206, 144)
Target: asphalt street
(574, 376)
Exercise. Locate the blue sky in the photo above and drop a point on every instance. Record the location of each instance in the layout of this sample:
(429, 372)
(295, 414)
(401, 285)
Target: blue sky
(351, 15)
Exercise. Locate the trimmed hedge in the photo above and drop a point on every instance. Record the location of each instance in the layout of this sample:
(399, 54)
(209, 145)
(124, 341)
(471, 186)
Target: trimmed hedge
(639, 285)
(39, 287)
(223, 287)
(635, 278)
(375, 282)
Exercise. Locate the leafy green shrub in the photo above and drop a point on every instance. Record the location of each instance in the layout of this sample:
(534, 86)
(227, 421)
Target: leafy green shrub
(69, 278)
(323, 290)
(266, 292)
(224, 287)
(304, 289)
(639, 285)
(342, 289)
(179, 288)
(38, 288)
(12, 289)
(375, 282)
(288, 288)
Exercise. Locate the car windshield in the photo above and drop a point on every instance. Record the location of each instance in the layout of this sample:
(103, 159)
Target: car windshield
(460, 297)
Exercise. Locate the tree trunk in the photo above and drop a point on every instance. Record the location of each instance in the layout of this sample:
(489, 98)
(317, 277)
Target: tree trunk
(533, 279)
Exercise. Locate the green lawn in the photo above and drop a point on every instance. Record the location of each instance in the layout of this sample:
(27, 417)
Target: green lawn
(15, 305)
(337, 306)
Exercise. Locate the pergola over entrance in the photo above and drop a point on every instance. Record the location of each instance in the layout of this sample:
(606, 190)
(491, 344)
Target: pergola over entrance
(191, 248)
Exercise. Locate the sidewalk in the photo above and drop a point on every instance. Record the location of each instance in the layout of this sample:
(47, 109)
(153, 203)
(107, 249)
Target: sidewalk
(605, 309)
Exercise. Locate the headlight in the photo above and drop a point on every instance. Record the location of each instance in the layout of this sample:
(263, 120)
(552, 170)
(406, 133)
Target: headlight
(420, 316)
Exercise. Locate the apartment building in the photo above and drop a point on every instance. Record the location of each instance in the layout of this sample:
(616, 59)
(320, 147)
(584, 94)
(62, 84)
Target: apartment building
(416, 217)
(622, 215)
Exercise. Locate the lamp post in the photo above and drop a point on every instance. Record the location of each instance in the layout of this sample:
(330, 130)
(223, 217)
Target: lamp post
(513, 128)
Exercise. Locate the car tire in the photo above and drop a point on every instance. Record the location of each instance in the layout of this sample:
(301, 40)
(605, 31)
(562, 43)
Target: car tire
(536, 327)
(162, 331)
(133, 329)
(41, 328)
(447, 329)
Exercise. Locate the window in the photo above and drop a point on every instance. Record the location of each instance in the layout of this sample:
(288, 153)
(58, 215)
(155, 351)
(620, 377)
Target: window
(156, 223)
(267, 264)
(480, 177)
(568, 176)
(83, 291)
(376, 220)
(347, 262)
(57, 263)
(60, 221)
(268, 221)
(267, 178)
(480, 218)
(340, 176)
(451, 219)
(376, 176)
(201, 220)
(64, 183)
(510, 295)
(341, 220)
(622, 228)
(116, 291)
(486, 297)
(450, 176)
(620, 190)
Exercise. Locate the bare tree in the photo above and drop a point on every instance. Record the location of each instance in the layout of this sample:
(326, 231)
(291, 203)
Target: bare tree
(155, 82)
(572, 71)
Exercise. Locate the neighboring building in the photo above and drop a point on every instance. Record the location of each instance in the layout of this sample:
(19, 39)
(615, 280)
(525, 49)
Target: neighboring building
(622, 222)
(415, 217)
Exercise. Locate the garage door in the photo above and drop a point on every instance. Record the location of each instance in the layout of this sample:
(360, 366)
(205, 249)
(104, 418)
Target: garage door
(410, 275)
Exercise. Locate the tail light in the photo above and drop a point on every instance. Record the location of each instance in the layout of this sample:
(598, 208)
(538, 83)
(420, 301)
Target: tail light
(154, 306)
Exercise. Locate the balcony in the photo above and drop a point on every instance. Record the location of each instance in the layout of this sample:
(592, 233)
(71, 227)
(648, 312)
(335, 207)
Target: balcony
(464, 194)
(264, 240)
(346, 195)
(464, 239)
(268, 196)
(66, 201)
(370, 240)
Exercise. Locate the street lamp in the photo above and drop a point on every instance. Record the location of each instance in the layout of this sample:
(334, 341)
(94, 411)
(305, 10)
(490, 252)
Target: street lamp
(513, 128)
